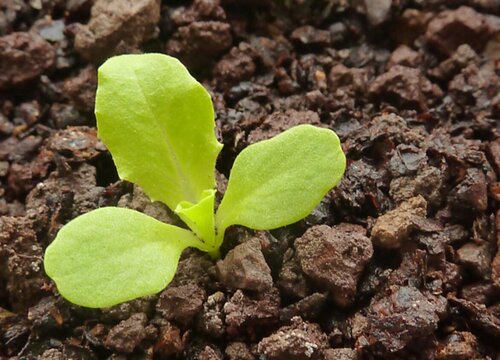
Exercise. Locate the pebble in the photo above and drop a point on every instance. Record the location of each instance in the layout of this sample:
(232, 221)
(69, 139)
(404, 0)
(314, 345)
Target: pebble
(394, 227)
(113, 22)
(451, 28)
(245, 267)
(24, 56)
(335, 258)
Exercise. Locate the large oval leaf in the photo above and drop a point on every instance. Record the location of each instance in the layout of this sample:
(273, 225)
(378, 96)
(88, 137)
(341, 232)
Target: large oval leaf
(158, 123)
(111, 255)
(279, 181)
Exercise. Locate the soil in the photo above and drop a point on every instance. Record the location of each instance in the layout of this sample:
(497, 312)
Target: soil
(400, 261)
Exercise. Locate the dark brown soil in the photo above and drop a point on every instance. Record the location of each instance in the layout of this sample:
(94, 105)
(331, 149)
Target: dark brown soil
(400, 261)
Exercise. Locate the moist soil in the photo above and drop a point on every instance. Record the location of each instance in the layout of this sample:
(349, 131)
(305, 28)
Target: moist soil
(399, 261)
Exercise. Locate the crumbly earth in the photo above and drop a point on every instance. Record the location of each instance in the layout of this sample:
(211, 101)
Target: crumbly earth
(400, 261)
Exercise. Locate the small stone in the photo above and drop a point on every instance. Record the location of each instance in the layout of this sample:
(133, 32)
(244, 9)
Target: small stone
(335, 258)
(24, 56)
(76, 144)
(211, 321)
(113, 22)
(394, 227)
(292, 280)
(310, 36)
(405, 315)
(301, 340)
(476, 257)
(341, 76)
(471, 194)
(427, 182)
(405, 56)
(460, 345)
(495, 265)
(200, 42)
(308, 308)
(181, 304)
(245, 267)
(479, 293)
(341, 354)
(494, 154)
(81, 89)
(169, 341)
(461, 58)
(405, 87)
(249, 315)
(209, 353)
(235, 67)
(377, 11)
(279, 121)
(238, 351)
(128, 334)
(451, 28)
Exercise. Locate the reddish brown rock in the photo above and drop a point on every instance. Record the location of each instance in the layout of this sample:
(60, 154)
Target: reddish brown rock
(235, 67)
(406, 56)
(128, 334)
(451, 28)
(301, 340)
(249, 314)
(335, 258)
(238, 351)
(181, 304)
(244, 267)
(405, 87)
(113, 22)
(211, 321)
(377, 11)
(198, 43)
(405, 315)
(81, 89)
(278, 122)
(292, 280)
(495, 265)
(458, 346)
(341, 354)
(341, 76)
(470, 195)
(170, 341)
(393, 228)
(475, 257)
(309, 36)
(24, 56)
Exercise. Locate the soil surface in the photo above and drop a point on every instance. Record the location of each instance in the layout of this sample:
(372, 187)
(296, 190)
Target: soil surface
(400, 261)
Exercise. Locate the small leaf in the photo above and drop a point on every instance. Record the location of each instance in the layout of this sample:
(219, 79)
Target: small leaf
(200, 217)
(111, 255)
(158, 123)
(279, 181)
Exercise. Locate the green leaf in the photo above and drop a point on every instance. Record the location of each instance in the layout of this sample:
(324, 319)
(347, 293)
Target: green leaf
(158, 123)
(279, 181)
(200, 217)
(111, 255)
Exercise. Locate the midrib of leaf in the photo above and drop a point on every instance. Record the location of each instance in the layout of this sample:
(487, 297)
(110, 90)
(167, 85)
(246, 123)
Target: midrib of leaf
(187, 188)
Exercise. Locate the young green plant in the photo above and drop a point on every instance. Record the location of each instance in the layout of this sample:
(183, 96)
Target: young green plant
(158, 123)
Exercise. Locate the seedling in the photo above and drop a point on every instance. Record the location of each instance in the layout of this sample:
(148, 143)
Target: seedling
(158, 123)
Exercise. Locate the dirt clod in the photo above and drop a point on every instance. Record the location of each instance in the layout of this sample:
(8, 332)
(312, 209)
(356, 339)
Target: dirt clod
(301, 340)
(393, 228)
(128, 334)
(244, 267)
(340, 255)
(115, 22)
(24, 56)
(181, 304)
(451, 28)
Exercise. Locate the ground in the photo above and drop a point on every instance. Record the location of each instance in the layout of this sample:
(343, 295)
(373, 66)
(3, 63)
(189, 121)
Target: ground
(399, 261)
